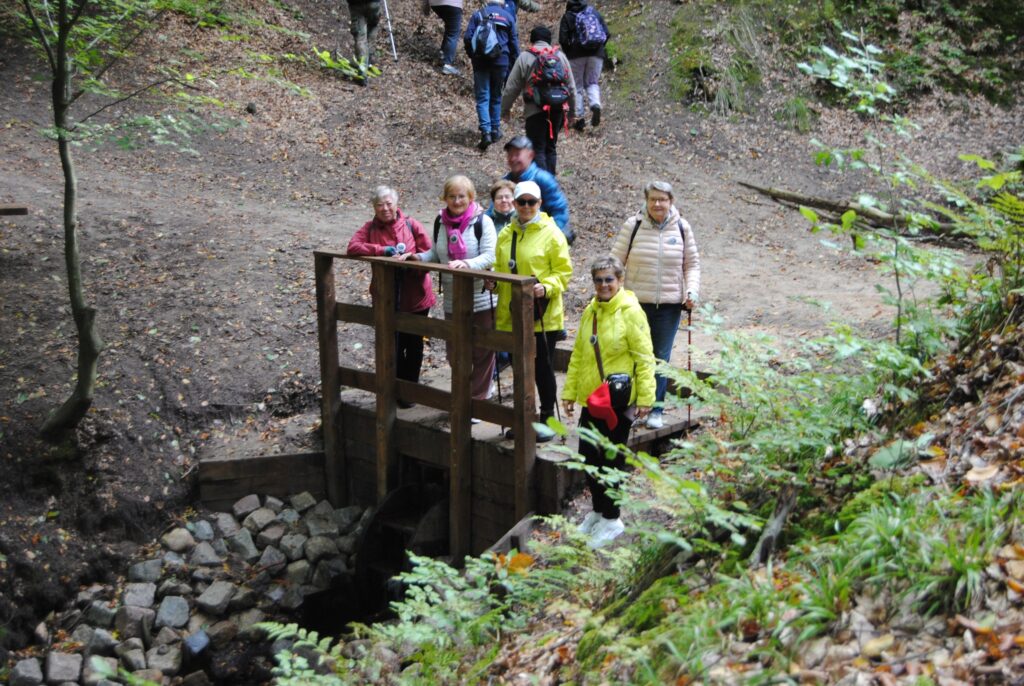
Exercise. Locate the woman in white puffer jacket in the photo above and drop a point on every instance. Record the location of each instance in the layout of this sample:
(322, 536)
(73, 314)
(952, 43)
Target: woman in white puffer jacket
(663, 270)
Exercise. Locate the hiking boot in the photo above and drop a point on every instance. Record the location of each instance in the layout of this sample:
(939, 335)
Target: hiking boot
(595, 116)
(589, 522)
(495, 136)
(579, 124)
(451, 70)
(605, 531)
(485, 142)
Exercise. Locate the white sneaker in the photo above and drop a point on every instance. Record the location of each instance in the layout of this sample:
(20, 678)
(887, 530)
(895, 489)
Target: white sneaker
(451, 70)
(588, 523)
(655, 420)
(606, 531)
(474, 420)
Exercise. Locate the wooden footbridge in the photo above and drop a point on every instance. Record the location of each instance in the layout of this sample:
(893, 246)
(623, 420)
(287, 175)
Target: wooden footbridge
(438, 490)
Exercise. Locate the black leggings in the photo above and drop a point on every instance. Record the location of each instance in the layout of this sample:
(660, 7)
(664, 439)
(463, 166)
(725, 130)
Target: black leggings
(542, 130)
(409, 351)
(544, 371)
(596, 456)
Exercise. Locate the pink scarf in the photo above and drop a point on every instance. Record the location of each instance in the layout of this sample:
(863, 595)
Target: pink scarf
(455, 226)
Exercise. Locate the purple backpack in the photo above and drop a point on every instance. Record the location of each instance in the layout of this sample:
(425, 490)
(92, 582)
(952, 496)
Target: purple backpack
(590, 32)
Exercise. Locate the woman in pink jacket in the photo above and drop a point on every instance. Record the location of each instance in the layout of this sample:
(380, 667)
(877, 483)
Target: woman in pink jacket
(391, 233)
(663, 270)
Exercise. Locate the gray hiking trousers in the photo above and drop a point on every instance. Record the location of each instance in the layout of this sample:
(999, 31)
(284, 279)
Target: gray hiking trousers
(365, 19)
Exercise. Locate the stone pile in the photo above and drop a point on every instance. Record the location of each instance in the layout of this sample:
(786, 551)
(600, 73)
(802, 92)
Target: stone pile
(205, 588)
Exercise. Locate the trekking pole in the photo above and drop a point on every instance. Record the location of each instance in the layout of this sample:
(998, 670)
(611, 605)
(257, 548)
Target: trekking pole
(497, 372)
(547, 356)
(689, 365)
(391, 34)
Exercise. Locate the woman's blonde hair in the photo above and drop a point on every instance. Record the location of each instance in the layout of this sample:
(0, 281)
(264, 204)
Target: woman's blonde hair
(458, 181)
(502, 183)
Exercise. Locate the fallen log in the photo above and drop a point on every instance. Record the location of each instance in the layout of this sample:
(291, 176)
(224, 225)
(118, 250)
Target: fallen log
(872, 215)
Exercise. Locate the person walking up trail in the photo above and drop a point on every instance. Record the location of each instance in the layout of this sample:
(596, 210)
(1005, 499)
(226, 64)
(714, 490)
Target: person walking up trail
(491, 41)
(663, 269)
(543, 76)
(365, 19)
(583, 34)
(450, 12)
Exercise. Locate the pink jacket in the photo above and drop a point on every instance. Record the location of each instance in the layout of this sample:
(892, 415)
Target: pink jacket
(663, 264)
(416, 292)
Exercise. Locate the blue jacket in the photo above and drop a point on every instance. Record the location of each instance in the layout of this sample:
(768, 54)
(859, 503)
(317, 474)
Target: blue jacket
(505, 28)
(553, 201)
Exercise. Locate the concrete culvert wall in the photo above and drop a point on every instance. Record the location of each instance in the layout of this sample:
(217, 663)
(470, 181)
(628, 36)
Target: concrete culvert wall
(186, 614)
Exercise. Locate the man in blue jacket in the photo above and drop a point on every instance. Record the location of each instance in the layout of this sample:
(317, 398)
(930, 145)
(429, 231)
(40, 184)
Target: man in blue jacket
(489, 70)
(519, 157)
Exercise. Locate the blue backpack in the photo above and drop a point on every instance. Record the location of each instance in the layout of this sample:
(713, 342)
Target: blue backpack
(590, 32)
(485, 44)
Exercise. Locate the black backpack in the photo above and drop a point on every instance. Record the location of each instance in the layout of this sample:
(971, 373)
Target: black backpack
(547, 85)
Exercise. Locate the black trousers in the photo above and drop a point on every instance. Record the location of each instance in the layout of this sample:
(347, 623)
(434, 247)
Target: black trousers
(409, 351)
(596, 456)
(544, 371)
(542, 130)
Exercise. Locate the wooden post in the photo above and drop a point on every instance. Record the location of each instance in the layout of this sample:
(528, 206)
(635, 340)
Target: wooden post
(460, 471)
(524, 353)
(330, 401)
(384, 304)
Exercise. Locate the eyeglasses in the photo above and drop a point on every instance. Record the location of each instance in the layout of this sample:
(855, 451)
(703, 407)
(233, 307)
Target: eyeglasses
(604, 280)
(522, 202)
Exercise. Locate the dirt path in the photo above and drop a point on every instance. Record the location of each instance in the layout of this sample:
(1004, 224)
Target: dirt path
(202, 266)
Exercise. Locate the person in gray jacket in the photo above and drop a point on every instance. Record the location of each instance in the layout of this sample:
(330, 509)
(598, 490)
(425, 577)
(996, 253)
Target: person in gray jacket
(543, 121)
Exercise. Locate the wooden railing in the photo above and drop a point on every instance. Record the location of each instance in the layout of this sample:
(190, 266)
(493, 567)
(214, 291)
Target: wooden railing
(386, 321)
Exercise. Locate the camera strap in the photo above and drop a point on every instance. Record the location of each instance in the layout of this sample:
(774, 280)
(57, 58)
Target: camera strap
(597, 347)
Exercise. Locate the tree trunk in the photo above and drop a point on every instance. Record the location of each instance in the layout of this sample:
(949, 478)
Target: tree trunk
(66, 418)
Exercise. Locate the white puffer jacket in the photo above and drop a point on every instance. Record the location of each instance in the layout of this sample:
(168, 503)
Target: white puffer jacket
(662, 266)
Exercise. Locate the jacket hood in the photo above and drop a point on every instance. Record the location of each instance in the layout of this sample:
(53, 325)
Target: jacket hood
(620, 300)
(537, 222)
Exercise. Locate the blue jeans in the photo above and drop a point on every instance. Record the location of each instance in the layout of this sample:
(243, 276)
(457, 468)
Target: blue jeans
(487, 85)
(664, 322)
(452, 18)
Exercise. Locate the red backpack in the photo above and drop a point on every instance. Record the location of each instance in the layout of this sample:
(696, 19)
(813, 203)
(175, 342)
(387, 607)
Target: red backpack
(547, 85)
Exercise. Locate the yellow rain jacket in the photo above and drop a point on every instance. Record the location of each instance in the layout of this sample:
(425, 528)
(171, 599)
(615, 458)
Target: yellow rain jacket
(541, 251)
(625, 340)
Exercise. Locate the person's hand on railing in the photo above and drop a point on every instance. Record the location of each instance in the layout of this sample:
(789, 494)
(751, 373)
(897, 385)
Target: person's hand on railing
(409, 256)
(489, 284)
(458, 264)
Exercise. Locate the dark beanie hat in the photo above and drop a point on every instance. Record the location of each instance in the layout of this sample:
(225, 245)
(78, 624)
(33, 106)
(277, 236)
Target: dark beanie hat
(540, 34)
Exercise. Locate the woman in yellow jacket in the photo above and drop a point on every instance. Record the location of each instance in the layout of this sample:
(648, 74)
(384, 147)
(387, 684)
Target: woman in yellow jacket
(622, 338)
(532, 244)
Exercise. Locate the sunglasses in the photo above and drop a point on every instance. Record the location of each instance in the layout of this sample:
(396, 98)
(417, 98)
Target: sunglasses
(606, 280)
(522, 202)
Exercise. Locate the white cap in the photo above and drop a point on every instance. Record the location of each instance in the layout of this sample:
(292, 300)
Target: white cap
(527, 188)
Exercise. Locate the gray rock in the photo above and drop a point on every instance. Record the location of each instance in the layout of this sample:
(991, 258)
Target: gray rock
(201, 576)
(173, 612)
(215, 599)
(92, 677)
(288, 516)
(26, 673)
(179, 540)
(173, 587)
(82, 634)
(166, 658)
(302, 502)
(61, 667)
(141, 594)
(274, 595)
(220, 547)
(319, 547)
(134, 622)
(197, 679)
(258, 519)
(197, 621)
(275, 504)
(323, 510)
(293, 597)
(174, 563)
(202, 530)
(86, 596)
(247, 622)
(347, 517)
(154, 675)
(244, 506)
(167, 636)
(271, 535)
(327, 571)
(347, 544)
(293, 546)
(128, 644)
(134, 660)
(196, 644)
(321, 526)
(241, 544)
(297, 572)
(100, 614)
(226, 524)
(243, 599)
(147, 571)
(272, 560)
(222, 633)
(102, 642)
(205, 555)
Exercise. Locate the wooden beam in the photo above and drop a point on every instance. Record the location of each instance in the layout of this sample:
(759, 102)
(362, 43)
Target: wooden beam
(524, 354)
(327, 337)
(460, 465)
(222, 482)
(10, 210)
(424, 326)
(384, 302)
